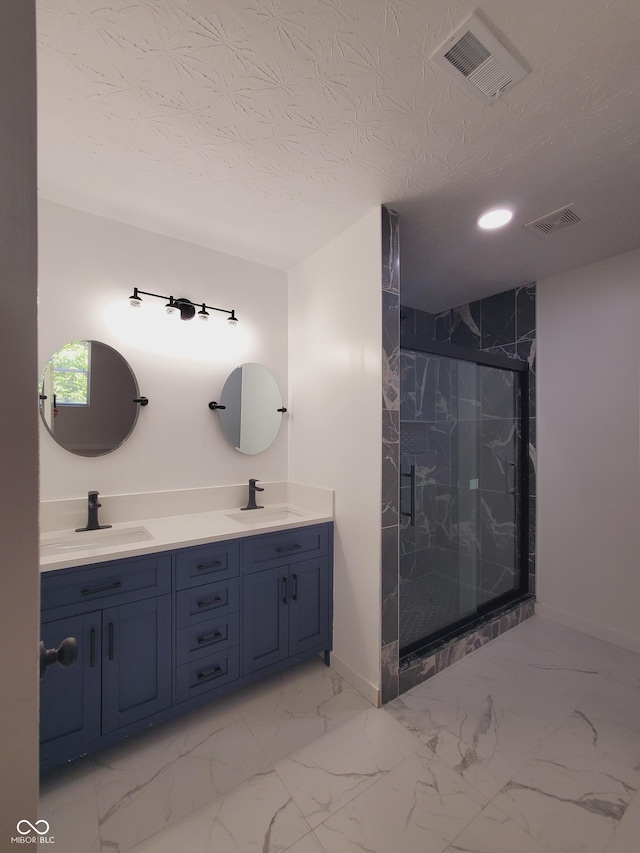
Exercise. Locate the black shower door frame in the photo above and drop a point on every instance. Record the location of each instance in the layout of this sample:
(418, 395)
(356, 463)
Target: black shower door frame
(521, 368)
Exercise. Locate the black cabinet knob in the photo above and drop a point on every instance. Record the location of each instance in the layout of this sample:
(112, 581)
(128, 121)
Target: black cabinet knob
(66, 654)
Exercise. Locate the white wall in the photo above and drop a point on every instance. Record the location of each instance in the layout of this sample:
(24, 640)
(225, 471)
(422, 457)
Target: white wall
(335, 380)
(588, 449)
(19, 631)
(88, 268)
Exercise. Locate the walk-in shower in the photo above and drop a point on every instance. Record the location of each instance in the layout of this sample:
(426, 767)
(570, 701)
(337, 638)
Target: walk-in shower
(463, 489)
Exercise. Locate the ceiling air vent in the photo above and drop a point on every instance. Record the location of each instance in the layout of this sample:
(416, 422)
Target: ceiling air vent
(557, 220)
(480, 64)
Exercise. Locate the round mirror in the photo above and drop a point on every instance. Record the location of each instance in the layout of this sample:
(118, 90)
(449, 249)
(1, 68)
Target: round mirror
(251, 398)
(87, 398)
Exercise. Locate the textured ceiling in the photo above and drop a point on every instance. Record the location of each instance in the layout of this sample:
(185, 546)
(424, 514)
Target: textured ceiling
(263, 128)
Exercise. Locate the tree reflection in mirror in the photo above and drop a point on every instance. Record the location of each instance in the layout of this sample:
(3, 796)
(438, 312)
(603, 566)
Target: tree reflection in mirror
(86, 400)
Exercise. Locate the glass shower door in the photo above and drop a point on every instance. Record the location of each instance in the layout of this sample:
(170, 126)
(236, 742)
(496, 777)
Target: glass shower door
(460, 493)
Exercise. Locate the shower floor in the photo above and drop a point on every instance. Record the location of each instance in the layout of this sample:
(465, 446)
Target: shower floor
(429, 603)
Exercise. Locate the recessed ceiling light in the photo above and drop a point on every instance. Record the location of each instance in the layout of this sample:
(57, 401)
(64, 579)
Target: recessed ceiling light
(495, 218)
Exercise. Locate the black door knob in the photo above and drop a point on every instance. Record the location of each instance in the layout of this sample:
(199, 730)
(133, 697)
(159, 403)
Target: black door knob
(66, 654)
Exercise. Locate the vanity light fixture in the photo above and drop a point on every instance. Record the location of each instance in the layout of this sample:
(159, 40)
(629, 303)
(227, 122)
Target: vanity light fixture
(185, 307)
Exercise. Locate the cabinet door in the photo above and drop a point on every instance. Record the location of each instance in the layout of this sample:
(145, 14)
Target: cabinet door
(70, 698)
(136, 655)
(309, 606)
(265, 608)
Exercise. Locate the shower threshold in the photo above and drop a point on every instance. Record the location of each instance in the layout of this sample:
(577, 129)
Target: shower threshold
(487, 626)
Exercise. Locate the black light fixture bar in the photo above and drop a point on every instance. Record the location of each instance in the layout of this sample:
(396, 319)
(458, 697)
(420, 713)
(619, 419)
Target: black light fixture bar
(186, 307)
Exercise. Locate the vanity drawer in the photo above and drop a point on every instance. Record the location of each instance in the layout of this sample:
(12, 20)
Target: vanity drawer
(203, 565)
(210, 672)
(207, 601)
(207, 637)
(284, 547)
(82, 590)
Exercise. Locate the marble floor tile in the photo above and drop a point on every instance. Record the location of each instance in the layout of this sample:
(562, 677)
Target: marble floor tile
(163, 744)
(618, 846)
(258, 816)
(68, 804)
(308, 844)
(283, 687)
(494, 668)
(60, 786)
(592, 652)
(493, 832)
(555, 675)
(614, 700)
(499, 734)
(301, 709)
(536, 633)
(326, 774)
(142, 796)
(566, 806)
(628, 670)
(595, 743)
(421, 805)
(627, 834)
(531, 744)
(438, 702)
(534, 640)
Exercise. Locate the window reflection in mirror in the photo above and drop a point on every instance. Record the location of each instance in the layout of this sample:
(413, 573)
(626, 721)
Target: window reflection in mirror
(87, 393)
(251, 397)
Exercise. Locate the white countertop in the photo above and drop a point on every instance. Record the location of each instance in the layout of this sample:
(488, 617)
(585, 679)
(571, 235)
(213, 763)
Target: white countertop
(168, 533)
(63, 548)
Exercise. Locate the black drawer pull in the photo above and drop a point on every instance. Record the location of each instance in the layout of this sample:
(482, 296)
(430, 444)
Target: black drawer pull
(204, 566)
(284, 549)
(294, 594)
(97, 589)
(216, 672)
(285, 590)
(110, 640)
(209, 638)
(92, 647)
(209, 602)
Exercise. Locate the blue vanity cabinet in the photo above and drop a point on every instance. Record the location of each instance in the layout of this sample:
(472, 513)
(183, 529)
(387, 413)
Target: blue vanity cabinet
(309, 607)
(70, 698)
(207, 620)
(120, 615)
(286, 597)
(265, 608)
(160, 634)
(136, 662)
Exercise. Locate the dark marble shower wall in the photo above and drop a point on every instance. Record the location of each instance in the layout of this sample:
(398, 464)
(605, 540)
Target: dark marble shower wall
(504, 324)
(458, 442)
(390, 652)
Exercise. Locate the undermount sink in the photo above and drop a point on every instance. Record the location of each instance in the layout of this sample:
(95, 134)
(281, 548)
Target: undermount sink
(264, 516)
(88, 539)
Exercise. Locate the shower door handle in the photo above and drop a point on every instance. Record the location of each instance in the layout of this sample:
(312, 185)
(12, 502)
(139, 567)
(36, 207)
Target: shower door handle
(411, 515)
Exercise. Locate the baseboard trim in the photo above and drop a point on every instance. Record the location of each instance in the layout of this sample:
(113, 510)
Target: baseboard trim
(594, 629)
(370, 692)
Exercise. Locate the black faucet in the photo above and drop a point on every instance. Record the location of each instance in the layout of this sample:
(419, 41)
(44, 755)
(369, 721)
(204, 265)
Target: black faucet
(92, 517)
(252, 495)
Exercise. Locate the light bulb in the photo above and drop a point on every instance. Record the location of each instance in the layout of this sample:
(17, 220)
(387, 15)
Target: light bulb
(497, 217)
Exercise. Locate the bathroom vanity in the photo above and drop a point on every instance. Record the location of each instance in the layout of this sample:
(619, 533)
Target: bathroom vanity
(160, 633)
